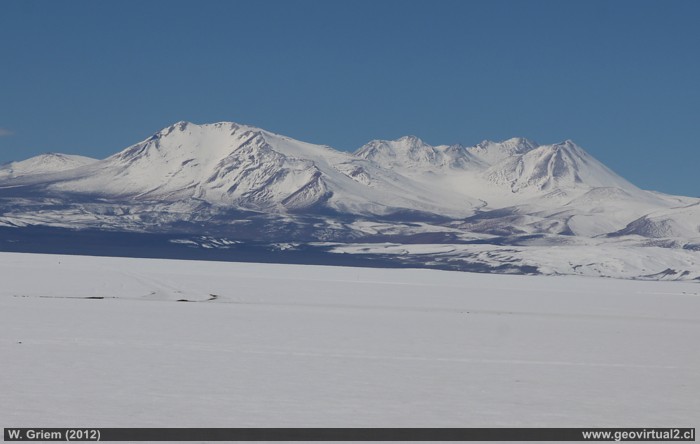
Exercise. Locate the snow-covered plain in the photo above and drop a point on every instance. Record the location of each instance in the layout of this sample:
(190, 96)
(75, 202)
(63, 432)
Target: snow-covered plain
(284, 345)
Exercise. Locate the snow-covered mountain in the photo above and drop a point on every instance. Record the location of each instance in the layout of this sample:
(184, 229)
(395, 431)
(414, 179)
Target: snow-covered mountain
(411, 153)
(526, 188)
(43, 163)
(238, 166)
(561, 166)
(228, 165)
(248, 182)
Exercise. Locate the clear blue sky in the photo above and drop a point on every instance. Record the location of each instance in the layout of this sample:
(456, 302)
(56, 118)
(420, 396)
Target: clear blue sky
(621, 78)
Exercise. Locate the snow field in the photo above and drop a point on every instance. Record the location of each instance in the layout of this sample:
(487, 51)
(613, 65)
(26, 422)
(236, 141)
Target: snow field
(281, 345)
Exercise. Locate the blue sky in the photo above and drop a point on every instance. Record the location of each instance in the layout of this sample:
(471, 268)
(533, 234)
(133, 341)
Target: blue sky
(621, 78)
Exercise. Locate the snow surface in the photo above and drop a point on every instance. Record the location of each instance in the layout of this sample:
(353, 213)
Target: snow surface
(284, 345)
(681, 222)
(621, 260)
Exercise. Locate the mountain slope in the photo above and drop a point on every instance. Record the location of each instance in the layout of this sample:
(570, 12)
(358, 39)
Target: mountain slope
(681, 222)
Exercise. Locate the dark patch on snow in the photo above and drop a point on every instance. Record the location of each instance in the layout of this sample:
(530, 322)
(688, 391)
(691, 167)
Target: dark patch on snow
(52, 240)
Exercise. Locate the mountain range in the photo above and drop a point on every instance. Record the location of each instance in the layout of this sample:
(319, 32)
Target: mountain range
(241, 183)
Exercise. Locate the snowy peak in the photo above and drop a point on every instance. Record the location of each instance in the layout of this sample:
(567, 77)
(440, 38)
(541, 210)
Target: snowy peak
(392, 152)
(493, 152)
(185, 139)
(548, 167)
(42, 164)
(223, 163)
(412, 154)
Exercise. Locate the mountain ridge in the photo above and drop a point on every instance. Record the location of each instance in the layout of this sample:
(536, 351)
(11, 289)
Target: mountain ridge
(242, 181)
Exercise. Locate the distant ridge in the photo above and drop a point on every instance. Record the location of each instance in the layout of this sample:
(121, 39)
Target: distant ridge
(43, 163)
